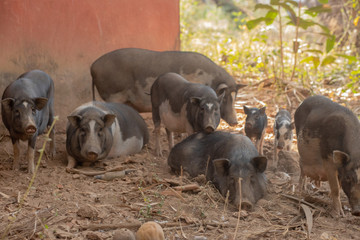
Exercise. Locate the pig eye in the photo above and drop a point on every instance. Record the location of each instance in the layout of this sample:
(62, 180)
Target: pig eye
(33, 110)
(82, 131)
(17, 113)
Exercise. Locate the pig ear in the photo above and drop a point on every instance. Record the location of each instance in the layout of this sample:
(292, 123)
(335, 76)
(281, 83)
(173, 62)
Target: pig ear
(246, 110)
(262, 110)
(8, 104)
(340, 158)
(221, 88)
(195, 100)
(109, 119)
(238, 86)
(221, 97)
(259, 163)
(74, 120)
(221, 166)
(40, 103)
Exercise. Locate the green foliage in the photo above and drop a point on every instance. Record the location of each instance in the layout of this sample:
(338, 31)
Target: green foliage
(249, 48)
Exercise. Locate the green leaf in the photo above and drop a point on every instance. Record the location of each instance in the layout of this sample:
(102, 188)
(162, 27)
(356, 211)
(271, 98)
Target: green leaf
(318, 9)
(270, 17)
(328, 60)
(323, 1)
(274, 2)
(313, 51)
(330, 42)
(304, 24)
(264, 6)
(351, 59)
(253, 23)
(314, 60)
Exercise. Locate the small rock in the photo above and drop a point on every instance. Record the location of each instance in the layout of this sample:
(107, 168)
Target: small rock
(76, 176)
(92, 236)
(150, 231)
(200, 238)
(123, 234)
(87, 212)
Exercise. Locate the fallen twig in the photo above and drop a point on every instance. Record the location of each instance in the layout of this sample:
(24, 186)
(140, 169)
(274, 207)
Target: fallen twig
(94, 173)
(303, 201)
(188, 187)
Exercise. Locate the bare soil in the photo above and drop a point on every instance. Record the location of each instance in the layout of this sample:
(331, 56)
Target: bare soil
(63, 205)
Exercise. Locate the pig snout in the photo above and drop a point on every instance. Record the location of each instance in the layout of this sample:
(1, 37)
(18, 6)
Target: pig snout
(245, 205)
(30, 129)
(209, 129)
(248, 125)
(356, 211)
(280, 145)
(92, 155)
(233, 123)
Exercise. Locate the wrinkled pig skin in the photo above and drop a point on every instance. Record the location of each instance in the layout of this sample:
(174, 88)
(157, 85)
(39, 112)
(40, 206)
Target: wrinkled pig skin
(224, 158)
(329, 147)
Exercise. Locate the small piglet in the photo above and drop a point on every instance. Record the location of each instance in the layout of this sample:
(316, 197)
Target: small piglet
(27, 111)
(97, 130)
(255, 126)
(283, 133)
(223, 158)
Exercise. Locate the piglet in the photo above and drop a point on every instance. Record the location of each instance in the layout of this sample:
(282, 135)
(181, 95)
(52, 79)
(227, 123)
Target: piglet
(283, 133)
(255, 126)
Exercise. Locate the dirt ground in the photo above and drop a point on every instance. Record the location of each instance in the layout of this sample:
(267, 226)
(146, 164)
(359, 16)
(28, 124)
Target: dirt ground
(63, 205)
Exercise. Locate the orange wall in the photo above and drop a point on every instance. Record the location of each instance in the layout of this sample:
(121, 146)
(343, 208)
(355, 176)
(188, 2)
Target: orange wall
(63, 38)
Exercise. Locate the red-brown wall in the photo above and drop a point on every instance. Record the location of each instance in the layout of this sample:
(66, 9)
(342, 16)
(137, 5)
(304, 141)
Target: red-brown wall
(63, 38)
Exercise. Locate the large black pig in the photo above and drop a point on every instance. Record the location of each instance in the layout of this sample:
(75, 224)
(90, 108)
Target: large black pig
(329, 146)
(97, 130)
(27, 111)
(183, 107)
(126, 75)
(224, 158)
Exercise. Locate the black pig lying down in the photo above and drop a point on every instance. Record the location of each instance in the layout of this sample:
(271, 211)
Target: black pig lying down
(329, 148)
(224, 158)
(27, 111)
(97, 130)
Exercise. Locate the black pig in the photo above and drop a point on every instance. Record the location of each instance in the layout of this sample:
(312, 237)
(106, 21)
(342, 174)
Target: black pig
(224, 158)
(329, 147)
(255, 125)
(27, 111)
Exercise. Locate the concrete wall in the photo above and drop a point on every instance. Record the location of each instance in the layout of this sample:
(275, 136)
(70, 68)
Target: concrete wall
(64, 37)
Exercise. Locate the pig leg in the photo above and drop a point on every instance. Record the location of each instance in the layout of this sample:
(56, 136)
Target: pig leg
(259, 143)
(71, 162)
(170, 137)
(157, 141)
(275, 158)
(30, 157)
(333, 179)
(16, 148)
